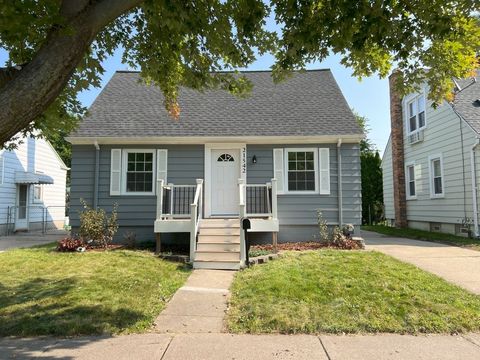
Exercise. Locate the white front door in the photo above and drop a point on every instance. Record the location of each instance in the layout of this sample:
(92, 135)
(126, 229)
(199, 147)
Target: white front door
(21, 218)
(225, 174)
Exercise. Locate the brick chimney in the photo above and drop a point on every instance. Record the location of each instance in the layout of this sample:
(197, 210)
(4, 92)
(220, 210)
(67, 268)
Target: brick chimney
(398, 160)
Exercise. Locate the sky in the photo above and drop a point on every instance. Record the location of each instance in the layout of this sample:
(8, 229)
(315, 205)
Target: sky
(369, 97)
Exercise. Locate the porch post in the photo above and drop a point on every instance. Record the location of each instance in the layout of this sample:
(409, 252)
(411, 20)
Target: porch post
(193, 231)
(159, 198)
(274, 198)
(242, 214)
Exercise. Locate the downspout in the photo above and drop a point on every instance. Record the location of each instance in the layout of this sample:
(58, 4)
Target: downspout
(474, 187)
(340, 191)
(97, 174)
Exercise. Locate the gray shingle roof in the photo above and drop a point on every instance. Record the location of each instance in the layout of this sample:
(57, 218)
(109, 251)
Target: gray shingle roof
(466, 101)
(307, 104)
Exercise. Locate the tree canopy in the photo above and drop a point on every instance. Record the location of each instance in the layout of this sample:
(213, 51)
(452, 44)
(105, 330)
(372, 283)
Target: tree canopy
(56, 47)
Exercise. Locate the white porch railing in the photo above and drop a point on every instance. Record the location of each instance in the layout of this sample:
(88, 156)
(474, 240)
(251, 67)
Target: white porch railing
(195, 216)
(173, 201)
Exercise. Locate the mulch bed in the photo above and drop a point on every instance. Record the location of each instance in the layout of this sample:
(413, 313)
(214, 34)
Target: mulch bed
(310, 245)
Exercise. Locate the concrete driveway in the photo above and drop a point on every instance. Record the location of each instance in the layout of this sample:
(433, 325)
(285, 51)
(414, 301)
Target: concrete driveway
(454, 264)
(29, 239)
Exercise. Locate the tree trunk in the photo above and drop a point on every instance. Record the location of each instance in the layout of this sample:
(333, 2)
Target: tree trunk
(29, 91)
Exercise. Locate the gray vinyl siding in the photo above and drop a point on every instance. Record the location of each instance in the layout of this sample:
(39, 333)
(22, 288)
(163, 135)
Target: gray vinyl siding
(443, 135)
(387, 172)
(302, 209)
(186, 163)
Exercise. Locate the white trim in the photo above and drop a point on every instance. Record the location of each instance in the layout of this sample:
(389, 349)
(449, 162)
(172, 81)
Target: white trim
(208, 169)
(407, 180)
(205, 140)
(406, 109)
(123, 172)
(285, 171)
(2, 167)
(40, 199)
(431, 158)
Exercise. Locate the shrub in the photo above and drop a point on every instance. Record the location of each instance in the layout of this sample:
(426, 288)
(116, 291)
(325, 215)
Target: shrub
(322, 228)
(339, 240)
(130, 239)
(69, 244)
(96, 226)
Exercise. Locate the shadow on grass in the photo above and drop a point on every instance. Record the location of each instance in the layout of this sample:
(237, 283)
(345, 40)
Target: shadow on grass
(40, 307)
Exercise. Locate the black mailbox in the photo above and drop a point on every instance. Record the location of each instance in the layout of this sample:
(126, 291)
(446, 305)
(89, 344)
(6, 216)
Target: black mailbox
(246, 225)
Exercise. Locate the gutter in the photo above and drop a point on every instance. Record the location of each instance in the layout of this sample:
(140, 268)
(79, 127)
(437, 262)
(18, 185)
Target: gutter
(97, 174)
(474, 187)
(340, 191)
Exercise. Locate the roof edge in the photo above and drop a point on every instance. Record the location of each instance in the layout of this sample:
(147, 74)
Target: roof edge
(239, 71)
(184, 140)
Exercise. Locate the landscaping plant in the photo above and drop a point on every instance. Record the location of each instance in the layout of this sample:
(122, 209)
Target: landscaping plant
(96, 227)
(69, 244)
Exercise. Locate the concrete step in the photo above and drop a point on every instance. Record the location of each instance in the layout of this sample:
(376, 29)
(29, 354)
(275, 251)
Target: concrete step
(217, 256)
(228, 239)
(218, 247)
(219, 231)
(216, 265)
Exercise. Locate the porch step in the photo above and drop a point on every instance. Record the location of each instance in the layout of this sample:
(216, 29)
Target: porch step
(219, 223)
(219, 231)
(220, 238)
(217, 265)
(218, 247)
(217, 256)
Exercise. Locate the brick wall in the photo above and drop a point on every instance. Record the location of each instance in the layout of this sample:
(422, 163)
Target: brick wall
(398, 163)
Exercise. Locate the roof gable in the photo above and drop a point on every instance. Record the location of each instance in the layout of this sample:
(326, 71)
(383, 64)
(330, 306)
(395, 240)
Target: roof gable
(467, 101)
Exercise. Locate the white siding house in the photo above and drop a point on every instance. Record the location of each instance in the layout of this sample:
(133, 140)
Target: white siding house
(440, 146)
(32, 187)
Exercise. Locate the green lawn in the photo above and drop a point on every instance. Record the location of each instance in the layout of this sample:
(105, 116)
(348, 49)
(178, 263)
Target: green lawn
(43, 292)
(336, 291)
(442, 238)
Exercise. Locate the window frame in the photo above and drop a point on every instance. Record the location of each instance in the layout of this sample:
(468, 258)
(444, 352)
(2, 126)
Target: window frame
(415, 100)
(408, 181)
(431, 159)
(40, 199)
(315, 168)
(124, 171)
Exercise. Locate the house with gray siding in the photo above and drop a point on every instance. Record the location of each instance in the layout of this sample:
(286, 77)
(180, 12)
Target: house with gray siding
(431, 162)
(275, 158)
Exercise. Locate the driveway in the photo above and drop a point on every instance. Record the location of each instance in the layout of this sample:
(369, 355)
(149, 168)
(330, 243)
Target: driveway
(454, 264)
(29, 239)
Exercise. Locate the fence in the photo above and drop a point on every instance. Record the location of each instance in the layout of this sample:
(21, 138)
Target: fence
(34, 218)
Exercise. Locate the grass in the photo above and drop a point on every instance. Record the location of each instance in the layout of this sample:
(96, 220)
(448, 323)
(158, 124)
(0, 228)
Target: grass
(43, 292)
(331, 291)
(437, 237)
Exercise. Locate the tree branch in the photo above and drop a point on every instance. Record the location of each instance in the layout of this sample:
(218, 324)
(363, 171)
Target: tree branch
(8, 73)
(27, 93)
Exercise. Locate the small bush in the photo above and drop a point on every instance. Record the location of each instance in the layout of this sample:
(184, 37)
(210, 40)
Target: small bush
(96, 226)
(69, 244)
(340, 241)
(130, 239)
(322, 228)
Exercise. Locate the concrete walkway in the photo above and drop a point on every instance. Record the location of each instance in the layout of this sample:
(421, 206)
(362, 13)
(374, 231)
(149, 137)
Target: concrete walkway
(199, 306)
(239, 347)
(454, 264)
(29, 239)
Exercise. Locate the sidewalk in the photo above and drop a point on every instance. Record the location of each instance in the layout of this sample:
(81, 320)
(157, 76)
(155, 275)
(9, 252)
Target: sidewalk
(454, 264)
(29, 239)
(246, 347)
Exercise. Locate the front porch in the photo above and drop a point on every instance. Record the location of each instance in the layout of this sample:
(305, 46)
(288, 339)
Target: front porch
(216, 241)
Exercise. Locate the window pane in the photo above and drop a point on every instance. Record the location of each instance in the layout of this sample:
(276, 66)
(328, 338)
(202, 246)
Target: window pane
(421, 103)
(292, 156)
(148, 166)
(438, 185)
(292, 185)
(310, 155)
(140, 166)
(413, 123)
(411, 173)
(140, 172)
(148, 157)
(310, 186)
(411, 188)
(310, 165)
(436, 168)
(131, 166)
(300, 156)
(131, 157)
(421, 119)
(301, 165)
(412, 111)
(140, 157)
(292, 165)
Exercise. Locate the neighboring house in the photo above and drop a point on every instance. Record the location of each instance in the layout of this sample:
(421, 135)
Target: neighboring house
(432, 160)
(32, 187)
(275, 157)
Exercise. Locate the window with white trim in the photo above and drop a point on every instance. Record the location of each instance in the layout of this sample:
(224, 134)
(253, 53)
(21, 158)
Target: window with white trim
(37, 193)
(411, 185)
(138, 171)
(301, 169)
(416, 113)
(437, 186)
